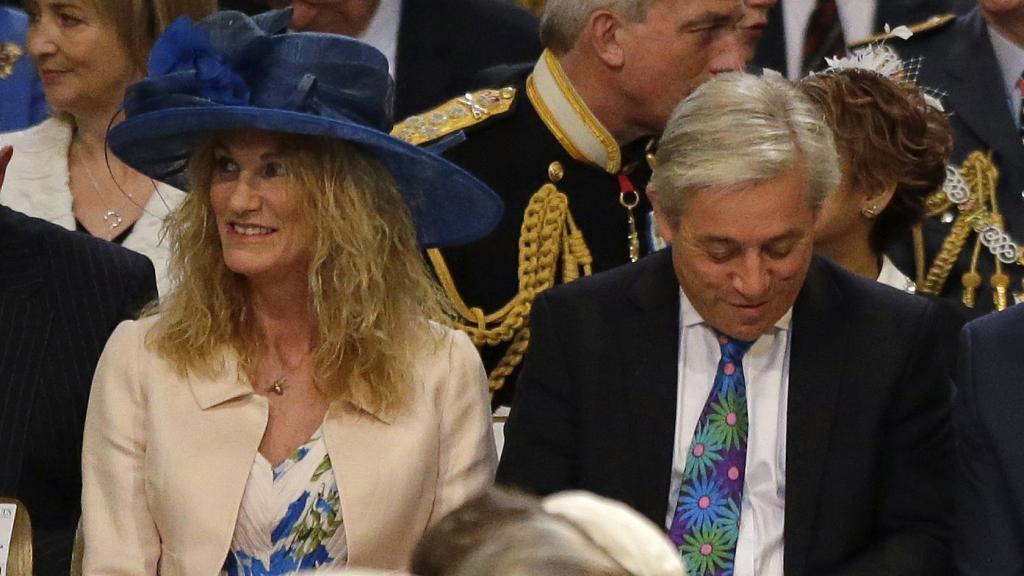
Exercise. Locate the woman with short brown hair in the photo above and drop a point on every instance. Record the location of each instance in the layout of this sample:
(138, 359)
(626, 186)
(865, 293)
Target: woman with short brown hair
(894, 147)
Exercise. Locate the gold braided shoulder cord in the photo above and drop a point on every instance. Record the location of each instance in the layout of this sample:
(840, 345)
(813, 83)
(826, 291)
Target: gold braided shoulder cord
(981, 176)
(547, 233)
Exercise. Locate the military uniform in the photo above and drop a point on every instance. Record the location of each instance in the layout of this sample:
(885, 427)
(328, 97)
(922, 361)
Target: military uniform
(566, 185)
(957, 59)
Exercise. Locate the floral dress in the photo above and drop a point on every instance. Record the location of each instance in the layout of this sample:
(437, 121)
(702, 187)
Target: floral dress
(290, 517)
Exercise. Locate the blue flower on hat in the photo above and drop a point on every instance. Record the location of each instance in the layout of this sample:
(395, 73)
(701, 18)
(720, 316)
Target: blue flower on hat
(186, 48)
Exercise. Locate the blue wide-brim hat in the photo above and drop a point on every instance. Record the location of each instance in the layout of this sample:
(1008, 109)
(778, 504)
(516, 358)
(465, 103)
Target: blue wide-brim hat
(233, 72)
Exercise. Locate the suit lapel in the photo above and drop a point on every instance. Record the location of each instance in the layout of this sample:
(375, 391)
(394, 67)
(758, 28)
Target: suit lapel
(652, 354)
(817, 355)
(237, 418)
(366, 451)
(25, 322)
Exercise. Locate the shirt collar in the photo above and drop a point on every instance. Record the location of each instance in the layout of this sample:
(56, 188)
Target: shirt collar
(568, 118)
(1010, 58)
(688, 315)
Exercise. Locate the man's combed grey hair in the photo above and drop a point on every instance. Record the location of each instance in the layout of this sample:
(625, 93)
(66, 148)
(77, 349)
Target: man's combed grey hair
(563, 20)
(738, 128)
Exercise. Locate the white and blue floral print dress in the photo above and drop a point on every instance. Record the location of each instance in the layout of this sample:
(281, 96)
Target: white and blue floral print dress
(290, 517)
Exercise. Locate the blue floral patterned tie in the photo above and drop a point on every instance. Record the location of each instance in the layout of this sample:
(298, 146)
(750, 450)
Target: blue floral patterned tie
(706, 522)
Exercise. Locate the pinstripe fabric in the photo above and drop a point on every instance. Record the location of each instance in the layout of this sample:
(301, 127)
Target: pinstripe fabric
(61, 295)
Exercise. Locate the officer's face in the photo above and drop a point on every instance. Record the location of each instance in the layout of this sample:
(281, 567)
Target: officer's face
(679, 45)
(741, 255)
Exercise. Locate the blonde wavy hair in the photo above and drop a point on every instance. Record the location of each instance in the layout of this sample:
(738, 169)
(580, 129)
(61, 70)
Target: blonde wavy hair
(370, 290)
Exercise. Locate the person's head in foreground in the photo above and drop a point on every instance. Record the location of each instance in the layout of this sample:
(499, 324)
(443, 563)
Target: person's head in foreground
(506, 533)
(743, 168)
(893, 147)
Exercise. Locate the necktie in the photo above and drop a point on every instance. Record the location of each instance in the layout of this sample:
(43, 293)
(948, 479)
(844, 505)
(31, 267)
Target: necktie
(706, 522)
(823, 38)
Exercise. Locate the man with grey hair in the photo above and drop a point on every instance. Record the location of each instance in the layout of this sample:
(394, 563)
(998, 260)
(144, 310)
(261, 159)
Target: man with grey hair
(562, 141)
(776, 414)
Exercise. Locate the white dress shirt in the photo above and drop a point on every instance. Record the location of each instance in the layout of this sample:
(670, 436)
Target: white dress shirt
(1011, 64)
(890, 275)
(857, 18)
(382, 32)
(759, 550)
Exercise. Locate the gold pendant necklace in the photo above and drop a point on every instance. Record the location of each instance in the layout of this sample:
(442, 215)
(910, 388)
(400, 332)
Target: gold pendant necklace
(278, 386)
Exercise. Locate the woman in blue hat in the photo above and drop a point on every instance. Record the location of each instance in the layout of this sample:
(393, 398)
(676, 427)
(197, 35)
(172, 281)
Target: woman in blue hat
(291, 405)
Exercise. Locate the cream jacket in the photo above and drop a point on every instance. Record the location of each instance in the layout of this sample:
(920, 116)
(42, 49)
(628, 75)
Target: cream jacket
(166, 458)
(38, 184)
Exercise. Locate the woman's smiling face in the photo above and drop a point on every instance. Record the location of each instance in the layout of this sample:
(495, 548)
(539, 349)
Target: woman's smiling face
(261, 220)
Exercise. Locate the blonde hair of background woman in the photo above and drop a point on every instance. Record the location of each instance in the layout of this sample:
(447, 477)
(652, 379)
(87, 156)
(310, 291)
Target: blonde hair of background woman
(369, 287)
(140, 22)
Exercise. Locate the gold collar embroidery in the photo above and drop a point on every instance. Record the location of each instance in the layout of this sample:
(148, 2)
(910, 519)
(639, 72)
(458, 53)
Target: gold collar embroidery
(568, 117)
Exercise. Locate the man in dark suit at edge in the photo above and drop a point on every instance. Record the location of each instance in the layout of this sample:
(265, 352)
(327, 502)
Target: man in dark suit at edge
(776, 414)
(990, 393)
(61, 295)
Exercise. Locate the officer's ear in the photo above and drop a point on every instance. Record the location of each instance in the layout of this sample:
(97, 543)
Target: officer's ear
(605, 32)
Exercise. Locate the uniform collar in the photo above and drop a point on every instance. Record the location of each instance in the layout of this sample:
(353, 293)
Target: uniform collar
(568, 117)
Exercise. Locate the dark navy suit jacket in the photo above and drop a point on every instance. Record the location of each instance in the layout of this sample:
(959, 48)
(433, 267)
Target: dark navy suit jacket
(22, 103)
(990, 431)
(61, 295)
